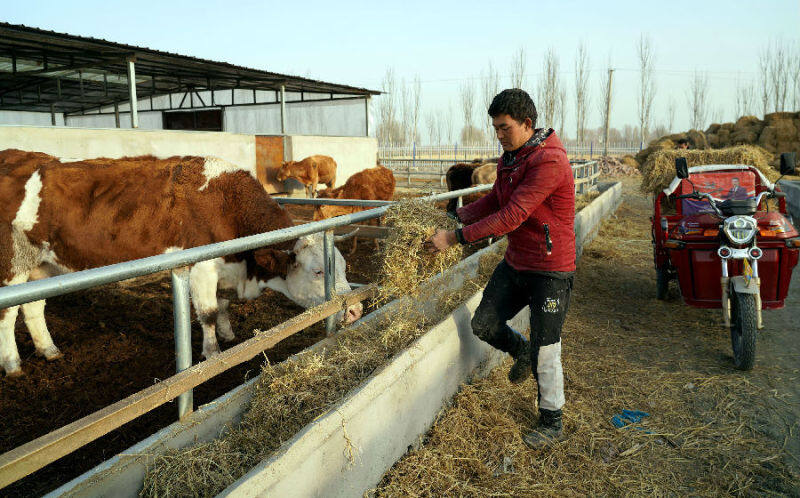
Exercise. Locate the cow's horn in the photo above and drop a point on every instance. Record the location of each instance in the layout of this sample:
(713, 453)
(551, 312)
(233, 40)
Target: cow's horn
(339, 238)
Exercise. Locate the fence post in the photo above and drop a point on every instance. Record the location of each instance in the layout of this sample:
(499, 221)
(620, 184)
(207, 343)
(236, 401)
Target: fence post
(182, 323)
(330, 277)
(591, 149)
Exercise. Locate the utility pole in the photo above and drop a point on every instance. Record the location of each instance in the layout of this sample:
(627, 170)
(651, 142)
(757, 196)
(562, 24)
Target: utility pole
(608, 112)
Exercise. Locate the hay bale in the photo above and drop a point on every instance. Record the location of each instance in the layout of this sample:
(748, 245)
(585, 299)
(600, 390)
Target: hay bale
(659, 170)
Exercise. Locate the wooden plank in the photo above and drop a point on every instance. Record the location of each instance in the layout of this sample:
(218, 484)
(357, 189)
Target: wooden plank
(32, 456)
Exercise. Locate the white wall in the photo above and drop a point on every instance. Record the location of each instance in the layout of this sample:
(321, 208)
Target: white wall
(352, 154)
(30, 118)
(81, 143)
(147, 121)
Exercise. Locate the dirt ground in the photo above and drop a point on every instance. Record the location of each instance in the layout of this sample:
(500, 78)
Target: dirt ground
(711, 429)
(117, 340)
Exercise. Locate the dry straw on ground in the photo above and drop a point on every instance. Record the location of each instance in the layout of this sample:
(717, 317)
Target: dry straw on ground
(704, 435)
(292, 394)
(659, 170)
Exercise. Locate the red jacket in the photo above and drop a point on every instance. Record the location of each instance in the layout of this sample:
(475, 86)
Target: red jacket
(533, 201)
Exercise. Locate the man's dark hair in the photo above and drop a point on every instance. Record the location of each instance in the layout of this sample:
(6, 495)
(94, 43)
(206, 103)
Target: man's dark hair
(682, 141)
(516, 103)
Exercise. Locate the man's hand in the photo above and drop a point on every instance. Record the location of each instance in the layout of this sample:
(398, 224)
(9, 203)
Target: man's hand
(440, 241)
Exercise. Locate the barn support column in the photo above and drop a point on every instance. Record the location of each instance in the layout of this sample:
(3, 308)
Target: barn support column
(132, 92)
(116, 113)
(366, 116)
(283, 109)
(330, 277)
(183, 334)
(52, 115)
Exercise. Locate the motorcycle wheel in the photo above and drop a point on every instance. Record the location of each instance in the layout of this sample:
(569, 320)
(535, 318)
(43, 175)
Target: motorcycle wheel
(662, 283)
(743, 329)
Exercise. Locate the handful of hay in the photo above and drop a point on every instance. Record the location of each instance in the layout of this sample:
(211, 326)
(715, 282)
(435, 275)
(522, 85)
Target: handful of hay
(659, 169)
(406, 264)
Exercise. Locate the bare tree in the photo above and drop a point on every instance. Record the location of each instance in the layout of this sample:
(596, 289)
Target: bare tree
(779, 75)
(469, 133)
(389, 130)
(671, 115)
(562, 113)
(581, 92)
(744, 99)
(490, 87)
(764, 79)
(794, 63)
(430, 124)
(518, 69)
(548, 88)
(416, 104)
(647, 84)
(447, 123)
(698, 100)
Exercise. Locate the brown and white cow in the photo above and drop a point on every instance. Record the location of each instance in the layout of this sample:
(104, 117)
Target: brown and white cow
(309, 172)
(61, 217)
(370, 184)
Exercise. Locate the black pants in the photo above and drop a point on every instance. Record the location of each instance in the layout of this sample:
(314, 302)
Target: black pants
(507, 292)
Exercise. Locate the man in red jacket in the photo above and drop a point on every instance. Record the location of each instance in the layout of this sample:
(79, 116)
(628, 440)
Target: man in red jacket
(533, 203)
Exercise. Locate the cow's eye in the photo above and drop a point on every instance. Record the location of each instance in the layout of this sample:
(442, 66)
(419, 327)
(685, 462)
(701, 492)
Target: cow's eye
(318, 272)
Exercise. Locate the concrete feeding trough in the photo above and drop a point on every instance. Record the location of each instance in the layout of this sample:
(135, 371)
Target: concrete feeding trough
(347, 451)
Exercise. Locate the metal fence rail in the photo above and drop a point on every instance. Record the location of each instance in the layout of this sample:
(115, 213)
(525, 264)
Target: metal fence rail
(26, 459)
(584, 172)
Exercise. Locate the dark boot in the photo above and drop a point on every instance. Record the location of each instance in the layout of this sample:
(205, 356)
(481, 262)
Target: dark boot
(547, 431)
(521, 369)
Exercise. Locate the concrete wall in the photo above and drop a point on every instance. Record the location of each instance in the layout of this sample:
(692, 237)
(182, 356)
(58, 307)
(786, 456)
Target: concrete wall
(352, 154)
(80, 143)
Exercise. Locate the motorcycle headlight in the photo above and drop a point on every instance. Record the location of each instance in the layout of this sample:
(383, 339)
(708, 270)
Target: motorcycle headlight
(740, 229)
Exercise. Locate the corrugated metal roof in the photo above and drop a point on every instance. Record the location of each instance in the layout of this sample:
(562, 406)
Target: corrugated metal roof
(41, 68)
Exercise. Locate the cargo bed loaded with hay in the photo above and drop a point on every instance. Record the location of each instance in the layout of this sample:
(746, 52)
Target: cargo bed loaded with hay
(333, 418)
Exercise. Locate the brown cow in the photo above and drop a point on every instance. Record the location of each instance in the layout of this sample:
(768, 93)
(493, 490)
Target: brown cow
(370, 184)
(485, 173)
(309, 172)
(61, 217)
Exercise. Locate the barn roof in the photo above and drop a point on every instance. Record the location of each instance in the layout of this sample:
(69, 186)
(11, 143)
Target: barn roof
(46, 71)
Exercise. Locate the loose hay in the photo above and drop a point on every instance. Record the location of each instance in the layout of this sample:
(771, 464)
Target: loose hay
(659, 170)
(292, 394)
(405, 262)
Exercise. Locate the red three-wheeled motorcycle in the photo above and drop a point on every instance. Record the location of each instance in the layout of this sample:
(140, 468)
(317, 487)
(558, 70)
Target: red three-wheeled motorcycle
(729, 244)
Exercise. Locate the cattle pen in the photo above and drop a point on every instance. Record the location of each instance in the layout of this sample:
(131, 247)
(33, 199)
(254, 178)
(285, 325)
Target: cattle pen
(28, 458)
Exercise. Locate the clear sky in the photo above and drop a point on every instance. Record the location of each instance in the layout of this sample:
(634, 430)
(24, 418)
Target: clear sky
(448, 43)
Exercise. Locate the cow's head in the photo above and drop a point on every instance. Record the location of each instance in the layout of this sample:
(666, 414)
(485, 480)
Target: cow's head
(303, 277)
(285, 171)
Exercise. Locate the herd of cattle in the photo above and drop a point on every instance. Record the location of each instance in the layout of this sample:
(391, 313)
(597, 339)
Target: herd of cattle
(59, 216)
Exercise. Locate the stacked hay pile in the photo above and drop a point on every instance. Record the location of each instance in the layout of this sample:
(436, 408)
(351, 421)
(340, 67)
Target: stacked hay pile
(292, 394)
(778, 132)
(659, 170)
(697, 140)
